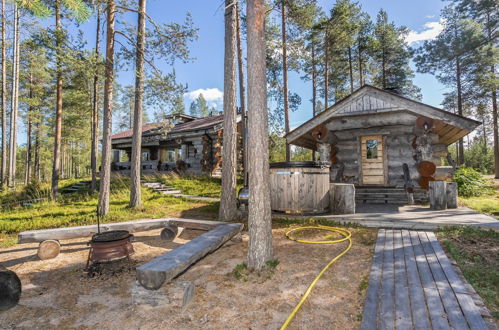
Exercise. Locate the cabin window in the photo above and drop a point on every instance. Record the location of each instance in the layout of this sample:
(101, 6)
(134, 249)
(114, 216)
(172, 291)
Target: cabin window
(372, 149)
(145, 156)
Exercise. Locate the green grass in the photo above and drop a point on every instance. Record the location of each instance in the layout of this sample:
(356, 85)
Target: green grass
(80, 209)
(195, 185)
(477, 255)
(488, 204)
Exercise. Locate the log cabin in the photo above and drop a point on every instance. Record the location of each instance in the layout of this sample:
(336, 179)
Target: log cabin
(179, 140)
(384, 143)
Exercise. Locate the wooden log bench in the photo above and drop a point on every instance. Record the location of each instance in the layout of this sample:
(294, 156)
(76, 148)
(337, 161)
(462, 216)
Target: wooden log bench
(50, 248)
(164, 268)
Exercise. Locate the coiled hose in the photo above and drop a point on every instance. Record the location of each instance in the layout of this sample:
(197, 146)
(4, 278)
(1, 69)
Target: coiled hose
(346, 237)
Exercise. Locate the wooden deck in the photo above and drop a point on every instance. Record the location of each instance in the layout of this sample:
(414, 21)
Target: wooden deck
(414, 286)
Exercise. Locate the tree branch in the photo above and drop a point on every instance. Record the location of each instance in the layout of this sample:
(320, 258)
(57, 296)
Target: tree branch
(131, 53)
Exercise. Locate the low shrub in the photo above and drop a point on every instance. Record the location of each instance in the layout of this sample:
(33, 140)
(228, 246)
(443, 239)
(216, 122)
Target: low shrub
(471, 183)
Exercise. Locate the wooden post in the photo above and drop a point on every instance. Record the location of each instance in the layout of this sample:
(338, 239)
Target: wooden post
(451, 195)
(342, 198)
(10, 289)
(324, 152)
(437, 194)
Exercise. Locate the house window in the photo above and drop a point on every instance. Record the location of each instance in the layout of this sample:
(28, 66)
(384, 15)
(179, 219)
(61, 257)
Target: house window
(145, 156)
(372, 149)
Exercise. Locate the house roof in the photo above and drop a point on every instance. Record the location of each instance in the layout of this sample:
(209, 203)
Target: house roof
(370, 100)
(191, 125)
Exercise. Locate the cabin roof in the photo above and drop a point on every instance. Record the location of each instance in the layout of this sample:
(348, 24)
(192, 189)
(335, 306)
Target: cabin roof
(370, 101)
(191, 125)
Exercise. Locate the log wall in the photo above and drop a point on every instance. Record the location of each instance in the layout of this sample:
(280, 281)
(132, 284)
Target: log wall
(399, 132)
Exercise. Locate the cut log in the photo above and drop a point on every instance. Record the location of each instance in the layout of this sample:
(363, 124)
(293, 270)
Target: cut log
(424, 182)
(342, 196)
(48, 249)
(10, 289)
(426, 168)
(320, 133)
(164, 268)
(437, 195)
(451, 195)
(169, 232)
(33, 236)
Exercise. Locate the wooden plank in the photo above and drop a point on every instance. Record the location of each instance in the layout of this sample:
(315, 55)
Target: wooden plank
(470, 310)
(132, 226)
(449, 301)
(169, 265)
(387, 285)
(373, 171)
(454, 280)
(435, 307)
(369, 316)
(403, 319)
(419, 310)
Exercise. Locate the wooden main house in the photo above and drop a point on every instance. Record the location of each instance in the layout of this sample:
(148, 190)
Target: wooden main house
(370, 135)
(180, 139)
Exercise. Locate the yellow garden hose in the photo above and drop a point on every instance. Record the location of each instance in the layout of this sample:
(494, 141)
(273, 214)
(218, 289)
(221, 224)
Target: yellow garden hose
(346, 237)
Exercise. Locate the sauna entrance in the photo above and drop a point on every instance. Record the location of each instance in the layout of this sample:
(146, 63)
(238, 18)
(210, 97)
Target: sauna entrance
(372, 158)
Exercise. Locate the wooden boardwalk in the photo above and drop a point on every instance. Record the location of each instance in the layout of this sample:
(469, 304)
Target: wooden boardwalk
(414, 286)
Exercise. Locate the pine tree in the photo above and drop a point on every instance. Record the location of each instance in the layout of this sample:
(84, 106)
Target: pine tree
(391, 56)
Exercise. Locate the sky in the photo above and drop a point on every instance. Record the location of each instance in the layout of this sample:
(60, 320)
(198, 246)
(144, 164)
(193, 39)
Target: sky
(205, 73)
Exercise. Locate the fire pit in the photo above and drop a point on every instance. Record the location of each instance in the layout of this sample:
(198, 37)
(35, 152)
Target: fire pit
(110, 246)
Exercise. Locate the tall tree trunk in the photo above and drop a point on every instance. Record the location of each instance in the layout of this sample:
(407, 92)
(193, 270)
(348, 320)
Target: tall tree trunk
(496, 134)
(58, 106)
(95, 109)
(361, 73)
(27, 176)
(38, 136)
(314, 89)
(350, 68)
(242, 96)
(494, 104)
(135, 196)
(14, 101)
(460, 159)
(285, 76)
(383, 67)
(3, 169)
(228, 203)
(105, 180)
(259, 215)
(326, 69)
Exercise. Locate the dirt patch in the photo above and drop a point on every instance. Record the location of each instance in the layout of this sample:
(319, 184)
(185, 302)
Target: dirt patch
(57, 293)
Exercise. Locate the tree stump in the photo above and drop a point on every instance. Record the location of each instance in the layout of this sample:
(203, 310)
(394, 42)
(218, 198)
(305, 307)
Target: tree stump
(451, 195)
(48, 249)
(169, 232)
(437, 194)
(342, 198)
(10, 289)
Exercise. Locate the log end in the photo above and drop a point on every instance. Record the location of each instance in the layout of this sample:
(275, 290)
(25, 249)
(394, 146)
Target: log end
(151, 280)
(169, 232)
(48, 249)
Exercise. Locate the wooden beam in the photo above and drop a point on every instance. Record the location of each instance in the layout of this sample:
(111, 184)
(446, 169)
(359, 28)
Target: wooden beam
(132, 226)
(164, 268)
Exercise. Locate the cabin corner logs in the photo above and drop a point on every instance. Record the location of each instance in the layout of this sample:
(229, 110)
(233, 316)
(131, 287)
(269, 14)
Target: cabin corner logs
(377, 154)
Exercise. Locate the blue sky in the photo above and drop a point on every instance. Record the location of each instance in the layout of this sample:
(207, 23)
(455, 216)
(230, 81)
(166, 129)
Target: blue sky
(205, 73)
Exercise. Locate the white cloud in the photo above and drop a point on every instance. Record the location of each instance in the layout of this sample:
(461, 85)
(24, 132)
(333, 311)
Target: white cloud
(431, 31)
(213, 96)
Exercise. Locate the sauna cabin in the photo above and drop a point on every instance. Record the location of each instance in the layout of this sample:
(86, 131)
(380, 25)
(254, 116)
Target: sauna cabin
(377, 139)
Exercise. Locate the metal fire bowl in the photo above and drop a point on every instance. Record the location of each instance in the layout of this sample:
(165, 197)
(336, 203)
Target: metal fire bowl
(118, 247)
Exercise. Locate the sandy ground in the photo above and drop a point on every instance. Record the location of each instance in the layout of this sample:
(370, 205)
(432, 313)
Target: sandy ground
(57, 293)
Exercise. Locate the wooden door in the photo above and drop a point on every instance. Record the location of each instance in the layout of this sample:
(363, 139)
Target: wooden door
(372, 158)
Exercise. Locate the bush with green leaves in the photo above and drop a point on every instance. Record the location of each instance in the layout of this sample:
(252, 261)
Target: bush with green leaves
(471, 183)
